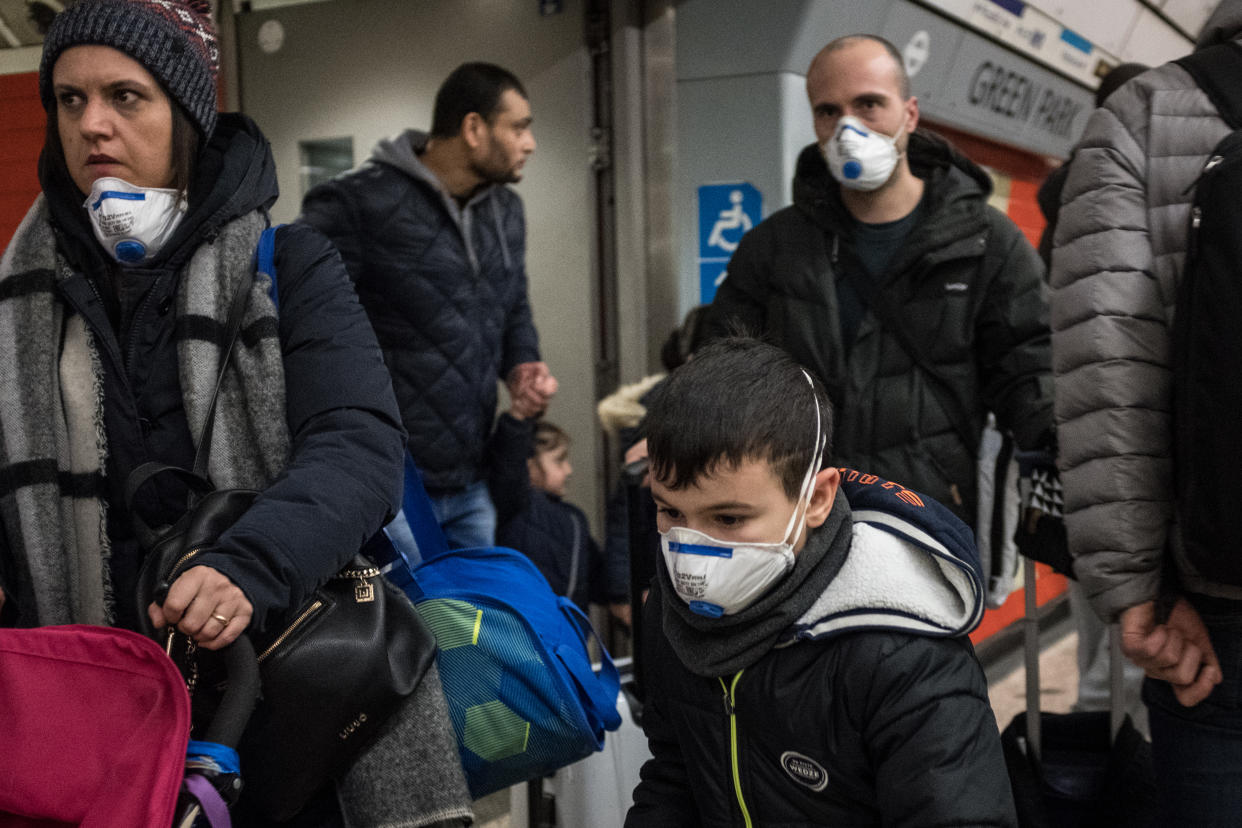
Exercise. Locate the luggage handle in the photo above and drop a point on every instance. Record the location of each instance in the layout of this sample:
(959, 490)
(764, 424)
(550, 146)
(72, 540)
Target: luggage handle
(602, 691)
(1030, 634)
(1030, 643)
(206, 794)
(240, 695)
(1116, 681)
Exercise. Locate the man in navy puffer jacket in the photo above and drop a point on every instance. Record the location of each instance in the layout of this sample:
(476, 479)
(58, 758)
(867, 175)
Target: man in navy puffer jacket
(435, 244)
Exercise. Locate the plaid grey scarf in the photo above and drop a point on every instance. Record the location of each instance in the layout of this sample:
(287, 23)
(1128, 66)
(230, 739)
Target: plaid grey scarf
(52, 459)
(53, 445)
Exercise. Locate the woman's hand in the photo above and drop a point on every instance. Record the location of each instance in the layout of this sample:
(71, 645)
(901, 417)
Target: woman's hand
(206, 606)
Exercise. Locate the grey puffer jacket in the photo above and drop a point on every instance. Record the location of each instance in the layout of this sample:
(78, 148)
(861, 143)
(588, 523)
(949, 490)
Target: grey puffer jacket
(1119, 250)
(445, 289)
(970, 292)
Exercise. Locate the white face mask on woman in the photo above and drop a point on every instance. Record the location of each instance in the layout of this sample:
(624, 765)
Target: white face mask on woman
(859, 157)
(716, 577)
(133, 223)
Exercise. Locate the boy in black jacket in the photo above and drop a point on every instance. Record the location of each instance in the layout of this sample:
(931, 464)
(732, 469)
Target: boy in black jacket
(528, 466)
(807, 659)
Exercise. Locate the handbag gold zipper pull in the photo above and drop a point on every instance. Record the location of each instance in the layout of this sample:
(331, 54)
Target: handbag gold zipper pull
(364, 591)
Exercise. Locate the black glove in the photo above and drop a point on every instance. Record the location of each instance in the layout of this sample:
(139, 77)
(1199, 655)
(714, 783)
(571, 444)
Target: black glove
(1041, 529)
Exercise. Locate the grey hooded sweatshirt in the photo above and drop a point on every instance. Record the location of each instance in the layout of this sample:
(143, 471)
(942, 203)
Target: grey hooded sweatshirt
(445, 289)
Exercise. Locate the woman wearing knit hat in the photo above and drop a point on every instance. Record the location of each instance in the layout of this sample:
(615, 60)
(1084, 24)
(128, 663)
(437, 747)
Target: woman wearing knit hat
(113, 298)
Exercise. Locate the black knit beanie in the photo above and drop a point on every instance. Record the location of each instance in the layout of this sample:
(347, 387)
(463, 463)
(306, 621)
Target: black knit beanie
(174, 40)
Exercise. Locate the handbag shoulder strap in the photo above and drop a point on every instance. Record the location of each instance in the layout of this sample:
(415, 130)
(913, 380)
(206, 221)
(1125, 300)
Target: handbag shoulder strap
(598, 693)
(575, 554)
(265, 257)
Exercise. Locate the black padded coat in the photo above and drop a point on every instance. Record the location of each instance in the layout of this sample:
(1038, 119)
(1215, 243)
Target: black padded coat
(344, 476)
(969, 292)
(866, 728)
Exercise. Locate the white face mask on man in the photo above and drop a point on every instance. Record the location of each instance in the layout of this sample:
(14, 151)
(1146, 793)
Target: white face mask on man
(859, 157)
(716, 577)
(132, 223)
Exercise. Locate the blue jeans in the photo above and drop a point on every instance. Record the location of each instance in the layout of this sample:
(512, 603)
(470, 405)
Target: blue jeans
(1197, 751)
(467, 516)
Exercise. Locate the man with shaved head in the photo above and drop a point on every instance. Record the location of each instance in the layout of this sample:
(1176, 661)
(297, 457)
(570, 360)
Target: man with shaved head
(920, 307)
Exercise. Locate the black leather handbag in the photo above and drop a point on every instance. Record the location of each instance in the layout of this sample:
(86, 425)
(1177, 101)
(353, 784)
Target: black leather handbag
(332, 672)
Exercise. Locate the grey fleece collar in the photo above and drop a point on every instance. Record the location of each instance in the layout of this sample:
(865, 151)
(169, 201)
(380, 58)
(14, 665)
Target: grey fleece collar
(893, 580)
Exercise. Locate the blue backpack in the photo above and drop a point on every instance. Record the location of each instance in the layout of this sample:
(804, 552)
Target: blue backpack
(513, 657)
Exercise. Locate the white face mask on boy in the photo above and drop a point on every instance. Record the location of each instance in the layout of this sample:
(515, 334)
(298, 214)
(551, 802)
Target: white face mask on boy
(859, 157)
(716, 577)
(132, 223)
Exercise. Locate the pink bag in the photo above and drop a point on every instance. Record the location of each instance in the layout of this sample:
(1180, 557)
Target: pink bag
(94, 723)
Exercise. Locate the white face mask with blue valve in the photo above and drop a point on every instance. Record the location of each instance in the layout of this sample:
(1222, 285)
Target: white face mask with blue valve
(716, 577)
(133, 223)
(859, 157)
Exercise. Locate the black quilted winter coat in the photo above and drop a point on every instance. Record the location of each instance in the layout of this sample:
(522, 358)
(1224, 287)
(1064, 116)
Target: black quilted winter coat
(969, 291)
(445, 289)
(868, 728)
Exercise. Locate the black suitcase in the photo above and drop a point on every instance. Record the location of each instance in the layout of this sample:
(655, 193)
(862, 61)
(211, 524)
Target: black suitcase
(1076, 770)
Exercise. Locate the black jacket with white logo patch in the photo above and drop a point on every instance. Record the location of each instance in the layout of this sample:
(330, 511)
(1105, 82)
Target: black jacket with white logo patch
(873, 709)
(867, 728)
(969, 292)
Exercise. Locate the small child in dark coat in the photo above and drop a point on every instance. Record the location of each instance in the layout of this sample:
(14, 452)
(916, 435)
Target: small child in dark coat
(528, 466)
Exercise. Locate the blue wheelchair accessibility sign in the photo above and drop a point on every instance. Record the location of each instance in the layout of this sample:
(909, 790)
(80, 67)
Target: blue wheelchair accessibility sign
(726, 213)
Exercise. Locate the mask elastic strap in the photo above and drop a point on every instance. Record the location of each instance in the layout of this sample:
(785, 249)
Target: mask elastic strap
(905, 119)
(808, 481)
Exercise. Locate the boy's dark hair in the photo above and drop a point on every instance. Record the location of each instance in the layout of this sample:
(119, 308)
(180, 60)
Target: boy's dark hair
(472, 87)
(549, 437)
(739, 399)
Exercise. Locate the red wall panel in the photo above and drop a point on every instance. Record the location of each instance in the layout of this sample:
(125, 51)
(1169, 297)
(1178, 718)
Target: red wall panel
(21, 137)
(1025, 170)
